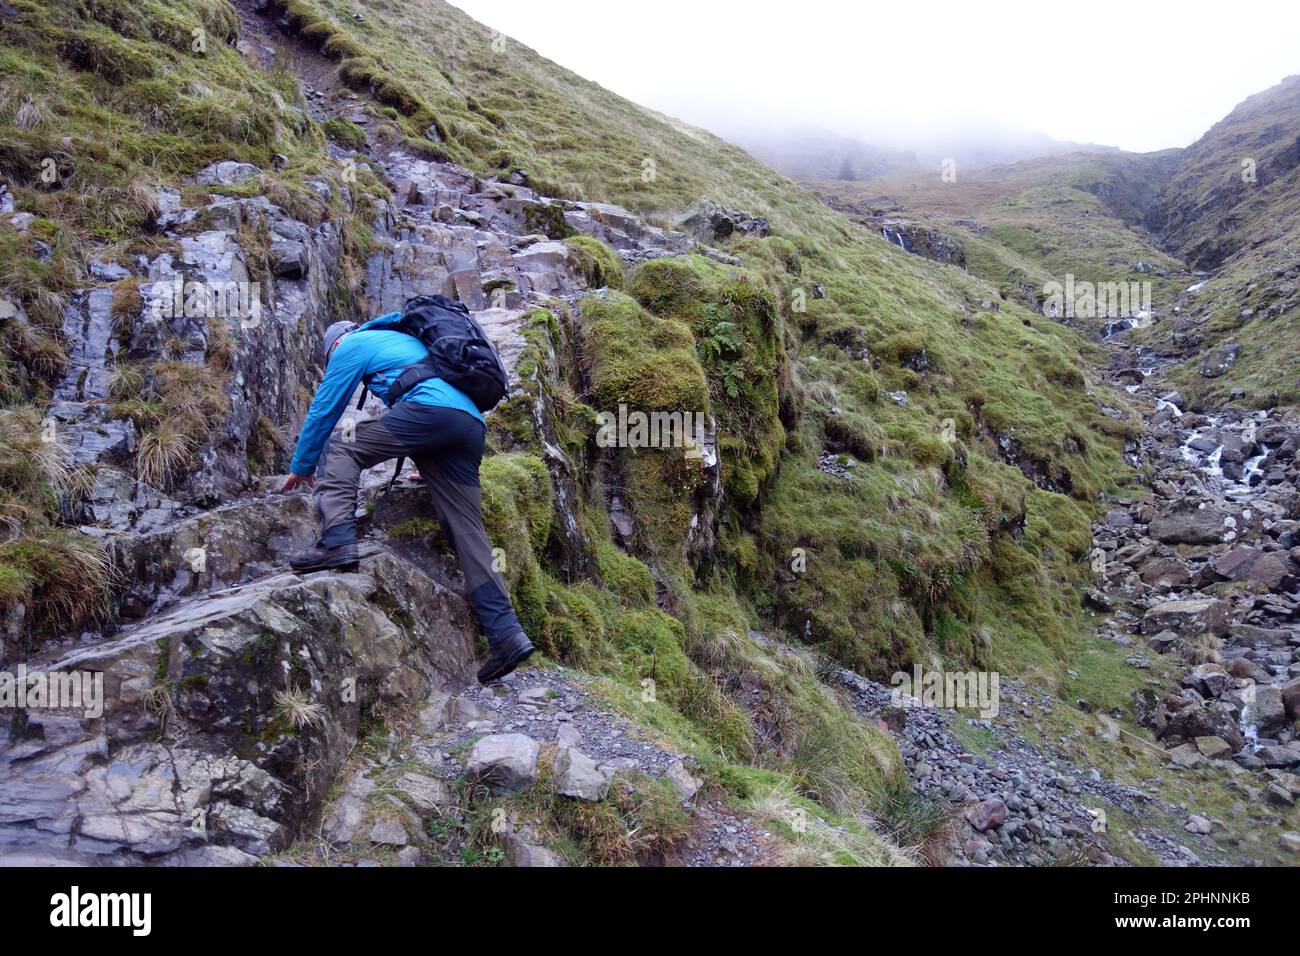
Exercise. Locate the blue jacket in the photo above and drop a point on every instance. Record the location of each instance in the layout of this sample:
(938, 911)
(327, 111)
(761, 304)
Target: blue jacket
(381, 354)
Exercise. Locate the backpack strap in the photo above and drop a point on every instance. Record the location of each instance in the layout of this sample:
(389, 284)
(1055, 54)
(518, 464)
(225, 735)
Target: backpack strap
(411, 376)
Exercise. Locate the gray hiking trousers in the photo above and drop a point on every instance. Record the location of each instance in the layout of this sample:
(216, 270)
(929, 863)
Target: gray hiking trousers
(446, 445)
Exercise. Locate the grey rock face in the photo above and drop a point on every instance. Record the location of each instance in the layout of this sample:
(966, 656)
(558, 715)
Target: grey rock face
(709, 221)
(227, 173)
(293, 657)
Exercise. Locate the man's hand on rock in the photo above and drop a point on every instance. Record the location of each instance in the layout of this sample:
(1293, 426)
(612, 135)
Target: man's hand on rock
(295, 482)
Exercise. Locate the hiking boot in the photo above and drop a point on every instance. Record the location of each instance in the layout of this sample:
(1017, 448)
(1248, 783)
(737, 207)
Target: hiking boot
(342, 558)
(504, 656)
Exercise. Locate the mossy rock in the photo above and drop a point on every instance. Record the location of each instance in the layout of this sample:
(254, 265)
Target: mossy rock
(637, 359)
(599, 264)
(344, 132)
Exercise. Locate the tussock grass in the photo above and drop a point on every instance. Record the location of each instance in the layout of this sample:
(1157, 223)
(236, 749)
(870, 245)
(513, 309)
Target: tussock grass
(814, 839)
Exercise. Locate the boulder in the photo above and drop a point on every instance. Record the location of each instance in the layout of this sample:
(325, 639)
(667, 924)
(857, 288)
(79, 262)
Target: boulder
(1189, 617)
(1243, 668)
(1267, 710)
(708, 221)
(343, 820)
(1185, 756)
(1204, 526)
(426, 794)
(1165, 572)
(522, 853)
(1271, 569)
(1250, 634)
(1186, 716)
(1279, 757)
(986, 815)
(388, 832)
(1291, 699)
(1213, 747)
(507, 763)
(1097, 600)
(687, 785)
(1210, 680)
(577, 776)
(1217, 361)
(1162, 642)
(1118, 518)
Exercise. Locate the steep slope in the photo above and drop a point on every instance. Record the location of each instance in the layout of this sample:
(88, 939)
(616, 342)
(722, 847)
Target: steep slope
(1232, 210)
(895, 466)
(1243, 169)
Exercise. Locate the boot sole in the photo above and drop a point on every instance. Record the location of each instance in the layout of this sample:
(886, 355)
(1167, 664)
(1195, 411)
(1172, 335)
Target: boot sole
(312, 568)
(507, 667)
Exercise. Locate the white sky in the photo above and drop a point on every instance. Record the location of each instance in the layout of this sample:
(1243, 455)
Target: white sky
(1137, 74)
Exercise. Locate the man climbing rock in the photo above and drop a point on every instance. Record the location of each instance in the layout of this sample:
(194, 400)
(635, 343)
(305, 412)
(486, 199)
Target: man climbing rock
(430, 421)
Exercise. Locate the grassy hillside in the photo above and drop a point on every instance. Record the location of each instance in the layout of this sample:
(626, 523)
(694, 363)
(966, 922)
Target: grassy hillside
(910, 463)
(1024, 225)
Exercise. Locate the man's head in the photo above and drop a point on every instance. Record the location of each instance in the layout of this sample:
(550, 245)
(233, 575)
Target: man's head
(333, 335)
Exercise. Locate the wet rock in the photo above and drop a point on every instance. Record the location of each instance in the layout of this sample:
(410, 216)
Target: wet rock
(107, 271)
(1267, 709)
(1278, 756)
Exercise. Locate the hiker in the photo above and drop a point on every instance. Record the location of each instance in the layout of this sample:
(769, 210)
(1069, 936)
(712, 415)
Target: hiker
(409, 361)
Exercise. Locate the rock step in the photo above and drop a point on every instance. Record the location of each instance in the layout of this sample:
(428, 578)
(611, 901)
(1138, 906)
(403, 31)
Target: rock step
(226, 718)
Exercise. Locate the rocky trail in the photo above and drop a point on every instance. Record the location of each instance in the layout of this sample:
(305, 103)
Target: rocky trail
(253, 715)
(235, 693)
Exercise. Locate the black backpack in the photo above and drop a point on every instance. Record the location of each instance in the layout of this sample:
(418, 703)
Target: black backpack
(459, 351)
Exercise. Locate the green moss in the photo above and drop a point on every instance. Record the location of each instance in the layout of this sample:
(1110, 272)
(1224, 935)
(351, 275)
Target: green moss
(599, 264)
(548, 219)
(639, 360)
(626, 576)
(413, 528)
(347, 134)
